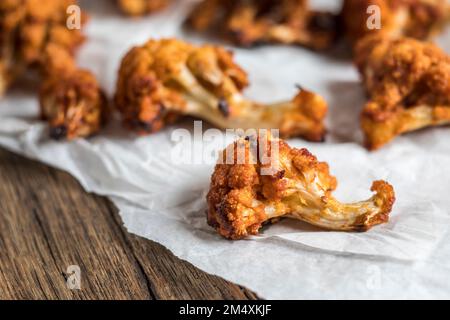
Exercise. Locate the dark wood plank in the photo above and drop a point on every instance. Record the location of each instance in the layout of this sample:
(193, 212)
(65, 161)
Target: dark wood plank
(172, 278)
(47, 222)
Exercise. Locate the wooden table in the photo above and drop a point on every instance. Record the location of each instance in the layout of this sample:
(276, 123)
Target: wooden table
(48, 222)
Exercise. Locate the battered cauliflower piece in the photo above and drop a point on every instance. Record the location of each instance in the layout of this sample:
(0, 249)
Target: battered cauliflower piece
(408, 82)
(250, 22)
(70, 98)
(166, 78)
(26, 28)
(419, 19)
(243, 197)
(141, 7)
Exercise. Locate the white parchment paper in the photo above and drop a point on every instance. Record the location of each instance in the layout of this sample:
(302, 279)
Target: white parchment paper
(164, 200)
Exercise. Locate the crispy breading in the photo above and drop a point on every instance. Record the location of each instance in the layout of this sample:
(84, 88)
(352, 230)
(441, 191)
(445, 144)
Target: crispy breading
(408, 82)
(166, 78)
(70, 98)
(419, 19)
(243, 197)
(26, 28)
(250, 22)
(141, 7)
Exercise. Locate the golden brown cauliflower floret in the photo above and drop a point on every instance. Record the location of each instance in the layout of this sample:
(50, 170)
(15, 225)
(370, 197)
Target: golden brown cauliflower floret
(250, 22)
(252, 185)
(141, 7)
(70, 98)
(408, 83)
(26, 28)
(166, 78)
(399, 18)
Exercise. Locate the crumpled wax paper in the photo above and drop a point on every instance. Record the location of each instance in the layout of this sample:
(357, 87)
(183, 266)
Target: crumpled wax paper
(163, 199)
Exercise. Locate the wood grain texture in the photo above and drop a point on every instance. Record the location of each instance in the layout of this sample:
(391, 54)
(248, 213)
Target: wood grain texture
(47, 222)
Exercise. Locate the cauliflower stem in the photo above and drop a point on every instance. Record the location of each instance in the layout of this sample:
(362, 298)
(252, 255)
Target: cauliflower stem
(290, 117)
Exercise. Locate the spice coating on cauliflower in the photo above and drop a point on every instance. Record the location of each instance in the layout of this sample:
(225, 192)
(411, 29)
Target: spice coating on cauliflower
(27, 27)
(408, 83)
(254, 22)
(241, 198)
(164, 79)
(71, 99)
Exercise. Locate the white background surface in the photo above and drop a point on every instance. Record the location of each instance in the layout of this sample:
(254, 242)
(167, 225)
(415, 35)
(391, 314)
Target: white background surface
(165, 201)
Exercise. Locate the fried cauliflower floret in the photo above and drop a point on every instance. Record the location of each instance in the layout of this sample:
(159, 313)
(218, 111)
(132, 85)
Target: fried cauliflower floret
(419, 19)
(141, 7)
(408, 82)
(166, 78)
(252, 185)
(70, 98)
(26, 28)
(250, 22)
